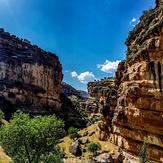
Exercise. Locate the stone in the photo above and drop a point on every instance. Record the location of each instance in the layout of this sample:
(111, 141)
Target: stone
(83, 141)
(103, 158)
(75, 148)
(117, 157)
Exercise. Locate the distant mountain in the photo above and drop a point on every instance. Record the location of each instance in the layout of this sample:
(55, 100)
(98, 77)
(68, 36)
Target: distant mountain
(68, 90)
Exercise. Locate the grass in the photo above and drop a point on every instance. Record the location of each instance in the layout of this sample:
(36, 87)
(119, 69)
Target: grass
(66, 142)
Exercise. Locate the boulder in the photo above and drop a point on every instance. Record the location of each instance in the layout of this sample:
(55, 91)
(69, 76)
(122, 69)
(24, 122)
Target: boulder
(83, 141)
(103, 158)
(75, 148)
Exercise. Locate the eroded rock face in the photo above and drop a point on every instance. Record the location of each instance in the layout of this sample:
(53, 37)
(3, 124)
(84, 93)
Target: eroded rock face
(30, 78)
(75, 148)
(159, 3)
(105, 95)
(139, 80)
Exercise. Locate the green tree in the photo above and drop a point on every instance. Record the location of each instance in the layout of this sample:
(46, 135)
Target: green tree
(32, 140)
(1, 117)
(93, 147)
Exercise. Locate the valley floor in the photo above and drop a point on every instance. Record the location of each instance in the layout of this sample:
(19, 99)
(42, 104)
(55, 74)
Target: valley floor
(89, 134)
(85, 134)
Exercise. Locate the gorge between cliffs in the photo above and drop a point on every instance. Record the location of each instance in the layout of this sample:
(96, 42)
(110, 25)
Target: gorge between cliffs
(122, 114)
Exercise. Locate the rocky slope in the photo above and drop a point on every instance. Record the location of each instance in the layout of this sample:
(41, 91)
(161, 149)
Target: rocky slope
(139, 110)
(30, 78)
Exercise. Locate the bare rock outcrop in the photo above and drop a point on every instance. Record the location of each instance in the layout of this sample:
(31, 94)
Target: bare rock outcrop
(105, 96)
(139, 81)
(30, 78)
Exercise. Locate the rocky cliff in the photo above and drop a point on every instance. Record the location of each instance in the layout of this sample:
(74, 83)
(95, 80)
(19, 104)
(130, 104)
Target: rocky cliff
(104, 95)
(100, 88)
(139, 82)
(30, 78)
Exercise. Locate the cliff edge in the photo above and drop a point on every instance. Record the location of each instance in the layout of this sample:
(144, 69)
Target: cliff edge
(30, 78)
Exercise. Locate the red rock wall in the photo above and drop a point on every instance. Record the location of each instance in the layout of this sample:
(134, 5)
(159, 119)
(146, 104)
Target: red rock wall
(139, 111)
(30, 78)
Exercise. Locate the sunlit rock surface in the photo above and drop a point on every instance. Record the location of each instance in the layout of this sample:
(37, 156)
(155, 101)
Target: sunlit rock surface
(30, 78)
(139, 82)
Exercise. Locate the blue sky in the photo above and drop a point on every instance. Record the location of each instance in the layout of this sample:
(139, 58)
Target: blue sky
(87, 35)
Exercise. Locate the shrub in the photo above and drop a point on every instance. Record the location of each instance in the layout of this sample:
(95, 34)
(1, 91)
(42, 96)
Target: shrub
(92, 120)
(31, 140)
(1, 115)
(143, 156)
(73, 132)
(93, 147)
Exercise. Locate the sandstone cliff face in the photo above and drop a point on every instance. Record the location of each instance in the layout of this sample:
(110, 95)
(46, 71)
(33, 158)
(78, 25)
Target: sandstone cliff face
(139, 80)
(136, 113)
(105, 96)
(100, 88)
(30, 78)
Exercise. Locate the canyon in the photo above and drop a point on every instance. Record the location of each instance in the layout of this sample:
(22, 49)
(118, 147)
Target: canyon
(130, 104)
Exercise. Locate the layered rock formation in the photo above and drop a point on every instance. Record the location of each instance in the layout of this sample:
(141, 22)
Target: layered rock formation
(30, 78)
(103, 93)
(139, 83)
(105, 96)
(97, 89)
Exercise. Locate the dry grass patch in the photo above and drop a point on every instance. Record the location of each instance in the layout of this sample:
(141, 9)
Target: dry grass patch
(66, 142)
(3, 157)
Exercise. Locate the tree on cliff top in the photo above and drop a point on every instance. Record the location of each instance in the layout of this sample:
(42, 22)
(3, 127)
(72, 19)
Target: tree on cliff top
(32, 140)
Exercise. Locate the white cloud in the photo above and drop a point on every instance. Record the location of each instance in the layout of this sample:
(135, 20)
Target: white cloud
(84, 77)
(109, 66)
(133, 22)
(74, 74)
